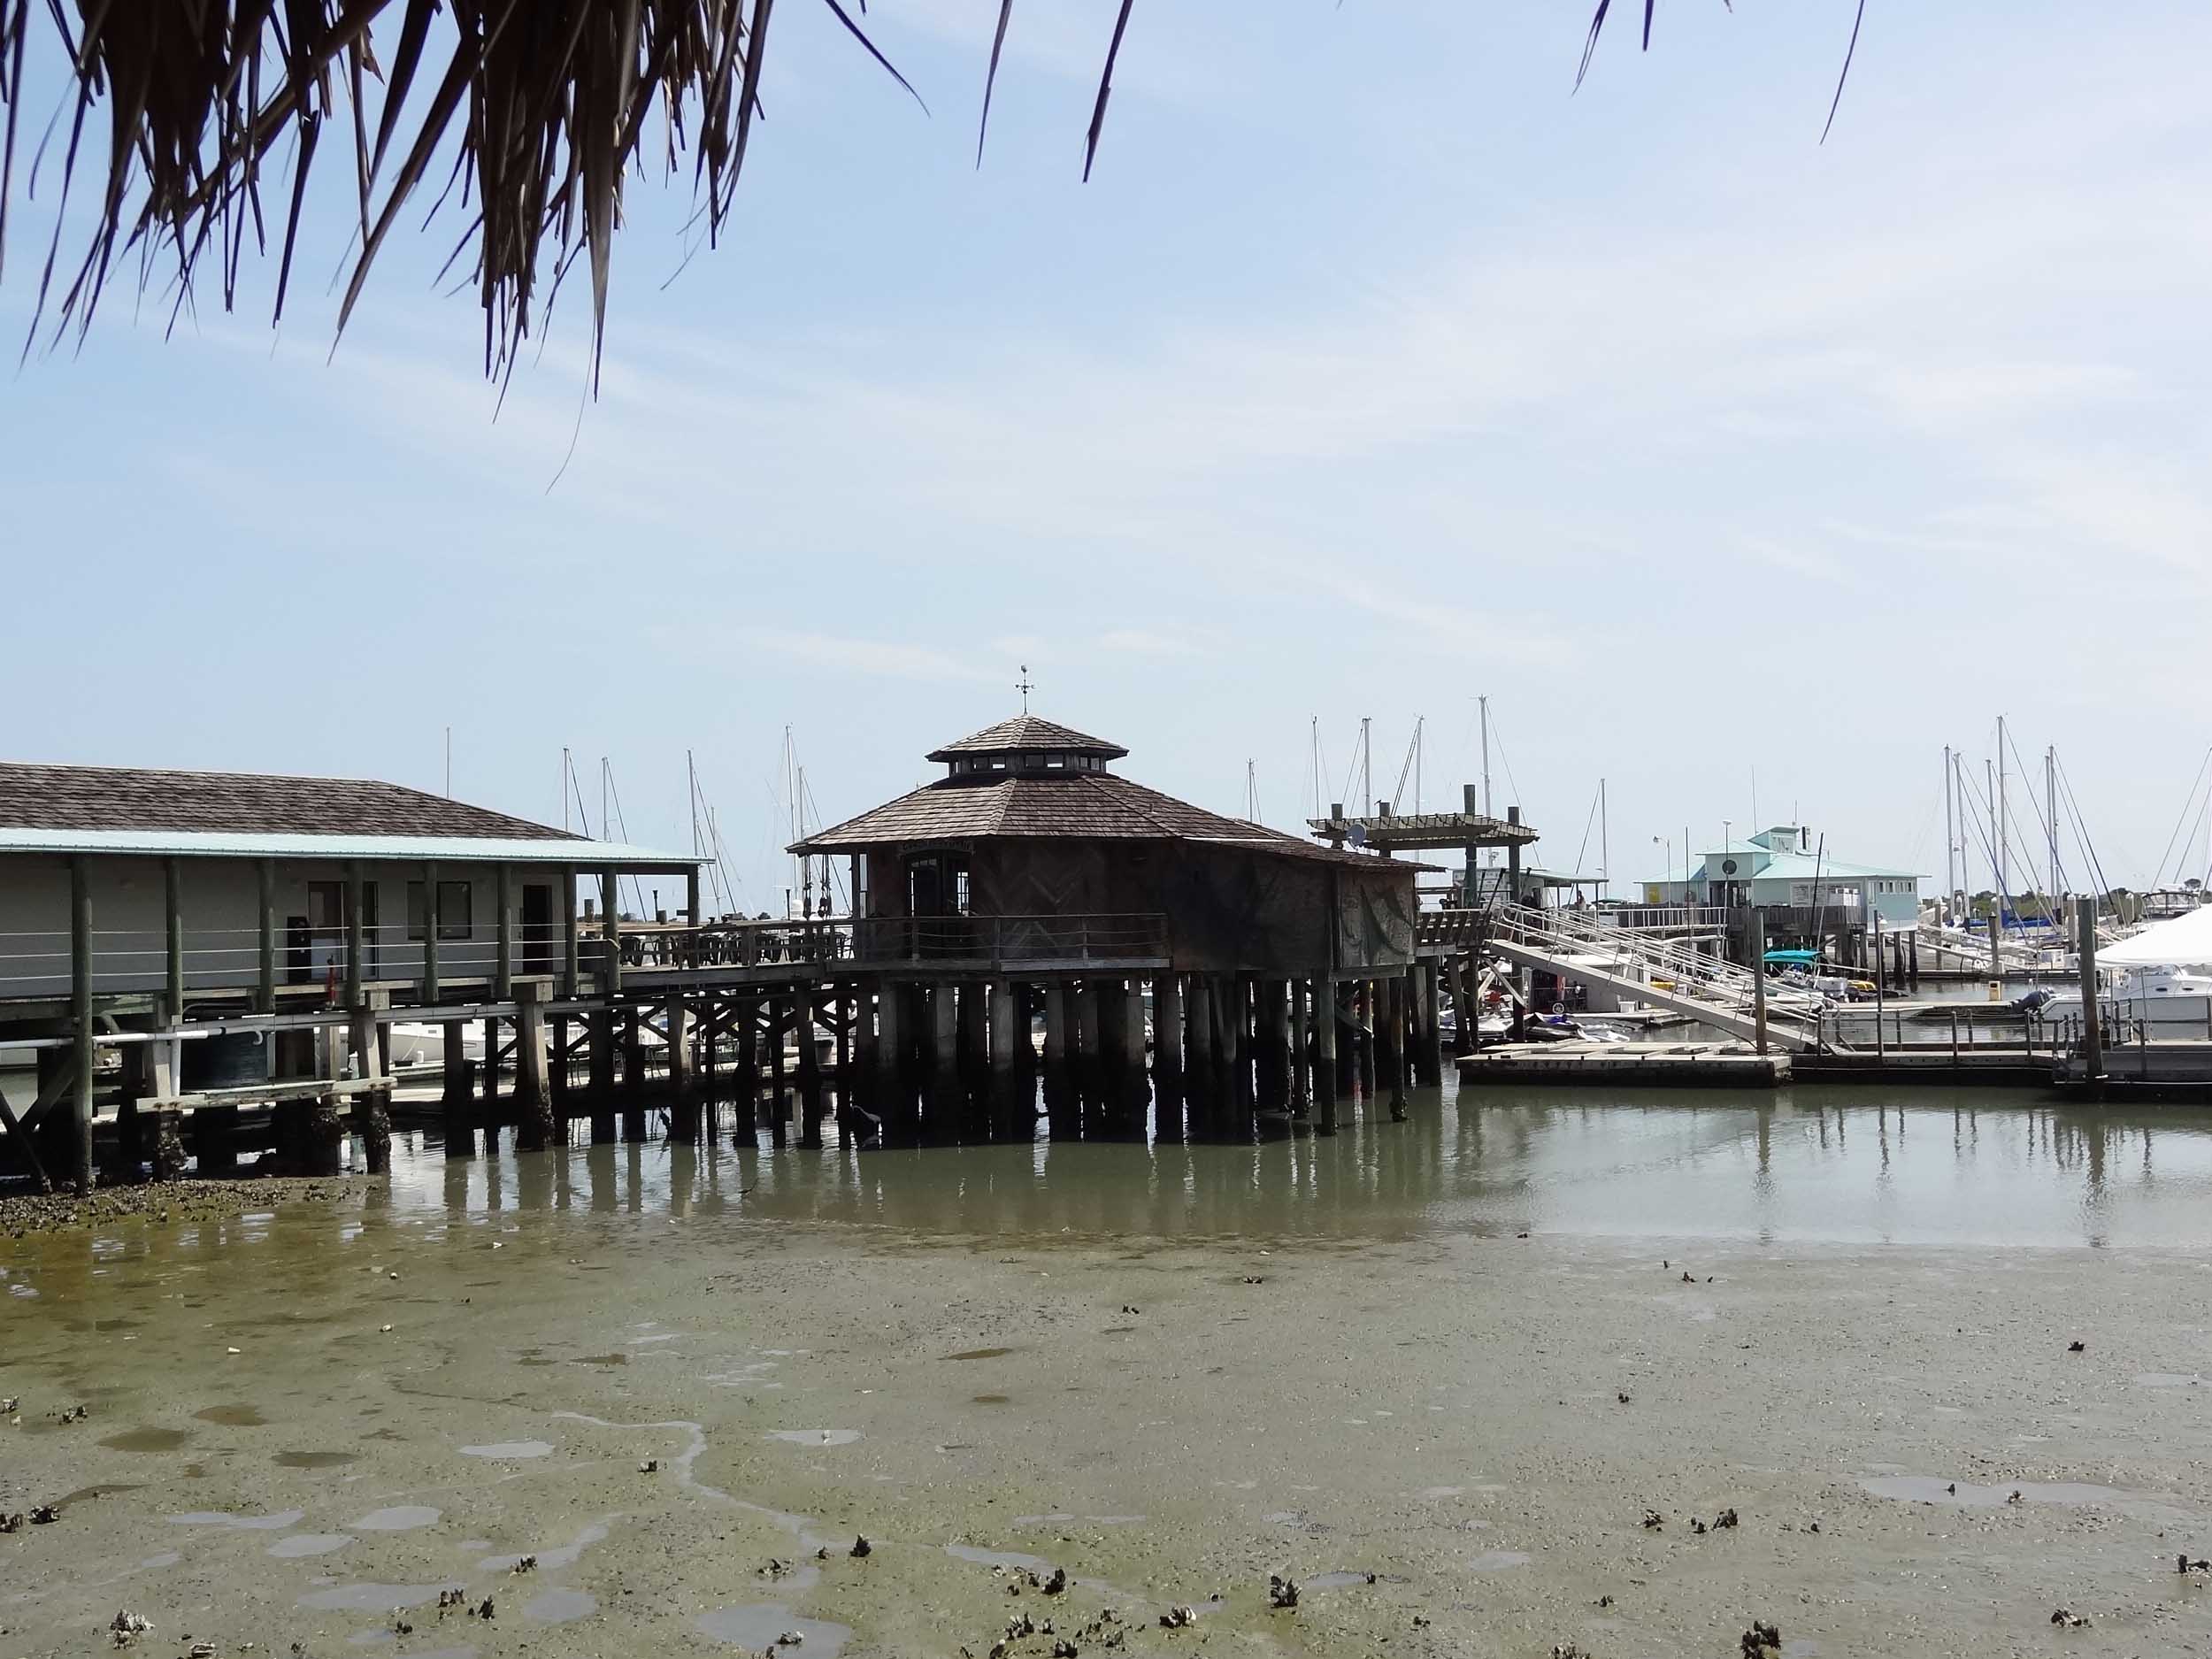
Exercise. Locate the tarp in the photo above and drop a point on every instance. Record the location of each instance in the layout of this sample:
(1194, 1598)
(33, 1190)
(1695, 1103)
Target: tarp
(2186, 940)
(1804, 958)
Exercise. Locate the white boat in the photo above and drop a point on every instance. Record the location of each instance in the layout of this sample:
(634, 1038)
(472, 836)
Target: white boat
(2161, 977)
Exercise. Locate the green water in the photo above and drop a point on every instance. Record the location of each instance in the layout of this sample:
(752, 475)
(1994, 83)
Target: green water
(1810, 1164)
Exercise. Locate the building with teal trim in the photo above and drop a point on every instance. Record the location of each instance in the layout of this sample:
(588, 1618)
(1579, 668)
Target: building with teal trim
(1785, 869)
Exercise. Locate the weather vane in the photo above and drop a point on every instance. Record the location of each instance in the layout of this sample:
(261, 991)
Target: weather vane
(1024, 685)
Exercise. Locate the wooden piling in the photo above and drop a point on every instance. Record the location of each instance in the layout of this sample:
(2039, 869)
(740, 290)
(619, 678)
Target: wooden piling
(893, 1104)
(1060, 1099)
(1327, 1087)
(776, 1109)
(1271, 1045)
(1301, 1023)
(632, 1072)
(79, 1165)
(1397, 999)
(1167, 1056)
(1369, 1034)
(536, 1125)
(683, 1083)
(490, 1115)
(1200, 1081)
(372, 1107)
(1431, 1050)
(1006, 1101)
(1239, 1049)
(809, 1054)
(942, 1110)
(600, 1084)
(1085, 1057)
(975, 1061)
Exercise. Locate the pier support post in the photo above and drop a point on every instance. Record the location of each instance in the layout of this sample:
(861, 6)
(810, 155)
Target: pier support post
(1398, 997)
(1084, 1062)
(79, 1165)
(1201, 1085)
(1368, 1031)
(1327, 1086)
(601, 1083)
(1110, 1119)
(1240, 1051)
(1301, 1047)
(894, 1034)
(1167, 1057)
(536, 1127)
(1059, 1086)
(372, 1107)
(975, 1060)
(323, 1136)
(777, 1110)
(1272, 1055)
(1136, 1089)
(809, 1054)
(1431, 1025)
(861, 1084)
(1006, 1122)
(633, 1073)
(941, 1110)
(491, 1115)
(456, 1097)
(683, 1083)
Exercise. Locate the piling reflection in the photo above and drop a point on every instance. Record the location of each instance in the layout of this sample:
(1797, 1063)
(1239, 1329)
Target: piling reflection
(1810, 1164)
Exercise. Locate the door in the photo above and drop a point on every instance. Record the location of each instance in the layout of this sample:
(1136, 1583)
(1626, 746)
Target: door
(540, 950)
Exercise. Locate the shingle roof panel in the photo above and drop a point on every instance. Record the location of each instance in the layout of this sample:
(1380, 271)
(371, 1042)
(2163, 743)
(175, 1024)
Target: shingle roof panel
(1029, 731)
(48, 797)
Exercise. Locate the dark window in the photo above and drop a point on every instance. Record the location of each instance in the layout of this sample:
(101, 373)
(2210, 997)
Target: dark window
(457, 902)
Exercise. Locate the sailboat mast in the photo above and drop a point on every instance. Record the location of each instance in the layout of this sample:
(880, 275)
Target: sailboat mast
(1950, 845)
(2002, 848)
(2050, 811)
(1484, 705)
(564, 788)
(1418, 725)
(1366, 765)
(1316, 738)
(1605, 844)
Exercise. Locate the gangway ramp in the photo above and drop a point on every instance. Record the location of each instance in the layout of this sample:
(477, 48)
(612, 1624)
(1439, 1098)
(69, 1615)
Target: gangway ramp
(1664, 972)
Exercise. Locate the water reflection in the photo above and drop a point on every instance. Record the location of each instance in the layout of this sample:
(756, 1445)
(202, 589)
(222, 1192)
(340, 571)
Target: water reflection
(1808, 1164)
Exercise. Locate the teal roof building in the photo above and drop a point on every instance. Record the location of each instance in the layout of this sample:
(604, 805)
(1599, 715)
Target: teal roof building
(1784, 868)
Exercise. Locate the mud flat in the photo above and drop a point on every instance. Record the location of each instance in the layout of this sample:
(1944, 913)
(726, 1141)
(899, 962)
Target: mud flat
(663, 1428)
(22, 1213)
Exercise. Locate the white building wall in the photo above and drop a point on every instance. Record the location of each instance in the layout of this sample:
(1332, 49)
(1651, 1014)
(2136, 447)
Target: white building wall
(219, 905)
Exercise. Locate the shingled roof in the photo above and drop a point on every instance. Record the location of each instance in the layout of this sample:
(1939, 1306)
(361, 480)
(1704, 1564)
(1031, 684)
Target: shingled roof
(109, 798)
(1095, 805)
(1028, 732)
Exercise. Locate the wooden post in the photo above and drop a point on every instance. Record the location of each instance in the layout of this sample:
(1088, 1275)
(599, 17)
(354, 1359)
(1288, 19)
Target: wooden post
(1167, 1056)
(845, 1015)
(372, 1107)
(1136, 1086)
(571, 963)
(633, 1073)
(1367, 1037)
(1005, 1119)
(1084, 1061)
(1200, 1084)
(1055, 1049)
(599, 1032)
(1301, 1048)
(683, 1112)
(1759, 979)
(80, 1019)
(810, 1101)
(503, 974)
(894, 1036)
(1239, 1049)
(1325, 1086)
(1397, 1003)
(778, 1107)
(691, 955)
(745, 1019)
(975, 1058)
(356, 929)
(458, 1100)
(172, 904)
(1430, 1049)
(557, 1088)
(944, 1077)
(265, 882)
(433, 919)
(610, 935)
(537, 1125)
(2092, 1015)
(1272, 1050)
(491, 1116)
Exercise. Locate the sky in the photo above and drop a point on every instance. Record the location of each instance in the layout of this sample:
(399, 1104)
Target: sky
(1375, 369)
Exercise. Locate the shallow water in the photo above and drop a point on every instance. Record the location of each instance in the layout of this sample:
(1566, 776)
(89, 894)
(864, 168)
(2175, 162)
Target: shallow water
(1930, 1165)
